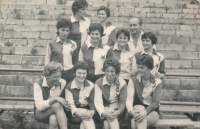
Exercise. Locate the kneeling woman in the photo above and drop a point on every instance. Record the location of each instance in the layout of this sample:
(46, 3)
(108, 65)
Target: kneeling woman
(80, 96)
(143, 95)
(110, 95)
(49, 97)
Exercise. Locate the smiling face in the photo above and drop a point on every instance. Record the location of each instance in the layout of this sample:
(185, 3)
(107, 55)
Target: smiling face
(122, 39)
(147, 44)
(54, 78)
(102, 16)
(95, 36)
(134, 25)
(63, 33)
(81, 75)
(110, 73)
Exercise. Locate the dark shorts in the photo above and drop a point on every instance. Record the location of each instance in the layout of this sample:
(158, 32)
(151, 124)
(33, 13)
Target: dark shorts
(156, 110)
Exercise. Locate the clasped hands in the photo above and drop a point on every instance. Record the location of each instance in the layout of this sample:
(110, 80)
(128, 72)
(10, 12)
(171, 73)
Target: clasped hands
(139, 115)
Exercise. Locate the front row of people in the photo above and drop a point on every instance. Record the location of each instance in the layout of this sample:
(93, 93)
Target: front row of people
(82, 102)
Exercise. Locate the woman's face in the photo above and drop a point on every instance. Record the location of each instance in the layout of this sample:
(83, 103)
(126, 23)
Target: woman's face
(54, 78)
(81, 75)
(63, 33)
(147, 44)
(102, 15)
(110, 73)
(143, 70)
(81, 12)
(122, 39)
(95, 36)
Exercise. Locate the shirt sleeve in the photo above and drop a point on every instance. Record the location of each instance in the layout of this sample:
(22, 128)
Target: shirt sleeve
(48, 54)
(156, 99)
(123, 95)
(130, 95)
(162, 67)
(98, 101)
(69, 98)
(40, 103)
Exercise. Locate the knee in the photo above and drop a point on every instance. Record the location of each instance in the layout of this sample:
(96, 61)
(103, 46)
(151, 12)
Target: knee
(53, 120)
(138, 107)
(57, 106)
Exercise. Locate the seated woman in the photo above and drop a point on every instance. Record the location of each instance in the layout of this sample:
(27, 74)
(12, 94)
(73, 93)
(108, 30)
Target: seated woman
(94, 53)
(110, 95)
(148, 41)
(123, 52)
(49, 97)
(63, 50)
(80, 96)
(143, 95)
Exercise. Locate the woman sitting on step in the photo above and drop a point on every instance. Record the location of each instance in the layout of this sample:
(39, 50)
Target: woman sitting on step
(143, 95)
(80, 96)
(49, 96)
(110, 95)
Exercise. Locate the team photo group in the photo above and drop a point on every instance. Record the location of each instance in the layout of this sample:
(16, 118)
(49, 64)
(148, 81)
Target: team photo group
(96, 73)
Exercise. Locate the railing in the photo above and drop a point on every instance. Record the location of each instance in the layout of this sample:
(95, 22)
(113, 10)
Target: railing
(41, 70)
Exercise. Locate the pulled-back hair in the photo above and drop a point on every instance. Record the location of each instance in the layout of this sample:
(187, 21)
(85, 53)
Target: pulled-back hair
(146, 60)
(112, 62)
(106, 9)
(96, 26)
(78, 4)
(81, 65)
(124, 31)
(52, 67)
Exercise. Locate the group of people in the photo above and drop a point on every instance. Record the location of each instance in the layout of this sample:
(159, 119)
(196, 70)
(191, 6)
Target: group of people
(96, 73)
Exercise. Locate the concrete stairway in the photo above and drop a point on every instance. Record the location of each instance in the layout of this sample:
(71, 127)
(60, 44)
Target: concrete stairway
(27, 25)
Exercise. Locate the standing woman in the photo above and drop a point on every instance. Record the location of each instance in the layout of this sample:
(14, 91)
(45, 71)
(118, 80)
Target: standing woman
(63, 50)
(110, 95)
(123, 52)
(49, 97)
(80, 96)
(148, 41)
(143, 95)
(103, 14)
(80, 23)
(94, 53)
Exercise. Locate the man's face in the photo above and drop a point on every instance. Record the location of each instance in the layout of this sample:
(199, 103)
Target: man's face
(134, 25)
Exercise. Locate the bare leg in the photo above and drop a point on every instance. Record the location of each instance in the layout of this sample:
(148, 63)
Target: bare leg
(53, 123)
(82, 126)
(152, 118)
(106, 125)
(88, 124)
(133, 124)
(57, 109)
(143, 123)
(114, 124)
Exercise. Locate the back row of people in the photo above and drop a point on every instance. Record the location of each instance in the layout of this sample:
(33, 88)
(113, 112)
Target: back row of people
(65, 51)
(105, 102)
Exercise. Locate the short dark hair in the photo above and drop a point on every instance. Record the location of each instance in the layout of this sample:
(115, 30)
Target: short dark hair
(146, 60)
(81, 65)
(63, 23)
(112, 62)
(106, 9)
(78, 4)
(52, 67)
(124, 31)
(151, 36)
(96, 26)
